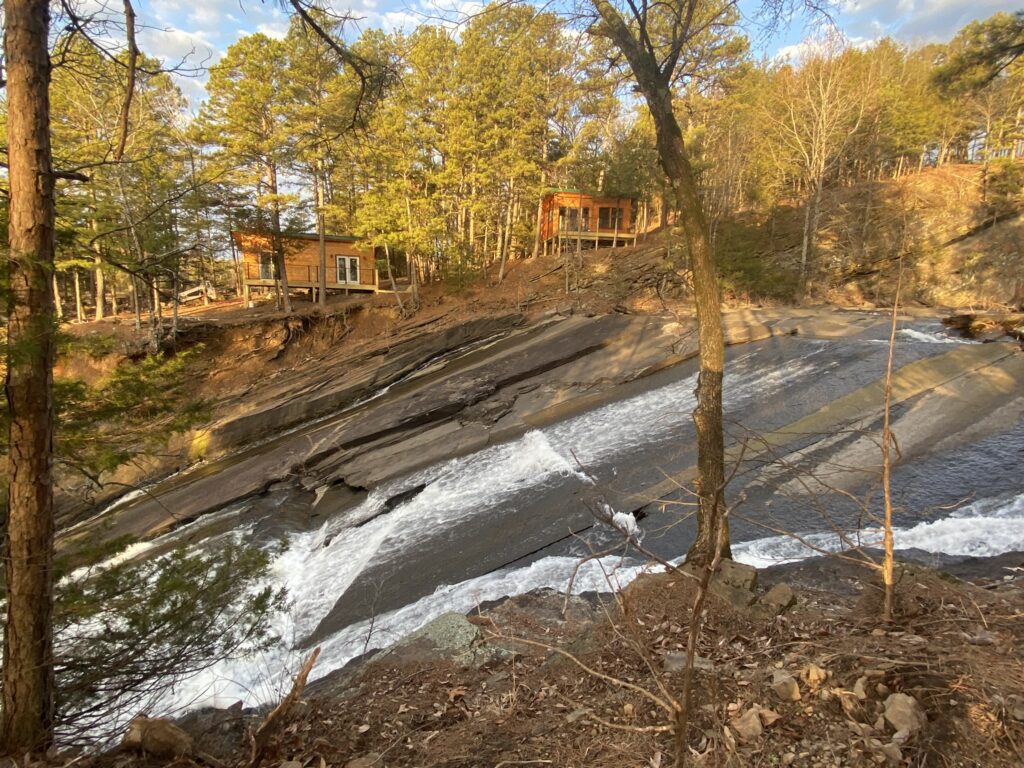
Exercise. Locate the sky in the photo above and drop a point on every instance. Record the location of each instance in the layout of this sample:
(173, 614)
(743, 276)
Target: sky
(202, 30)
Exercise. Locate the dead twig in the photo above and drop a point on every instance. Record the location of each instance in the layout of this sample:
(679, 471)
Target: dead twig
(262, 735)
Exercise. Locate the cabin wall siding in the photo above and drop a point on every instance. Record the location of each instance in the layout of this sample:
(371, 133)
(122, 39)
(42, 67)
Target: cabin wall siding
(302, 258)
(577, 200)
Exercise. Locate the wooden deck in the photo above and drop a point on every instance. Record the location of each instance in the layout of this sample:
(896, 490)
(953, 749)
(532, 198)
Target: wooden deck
(307, 284)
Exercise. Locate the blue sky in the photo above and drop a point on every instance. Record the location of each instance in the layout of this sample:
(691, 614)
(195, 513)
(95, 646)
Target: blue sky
(203, 29)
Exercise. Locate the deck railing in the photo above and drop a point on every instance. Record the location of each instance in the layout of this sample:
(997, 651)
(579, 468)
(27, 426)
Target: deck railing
(305, 273)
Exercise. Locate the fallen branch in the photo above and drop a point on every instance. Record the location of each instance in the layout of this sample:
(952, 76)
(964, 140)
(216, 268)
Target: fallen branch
(261, 736)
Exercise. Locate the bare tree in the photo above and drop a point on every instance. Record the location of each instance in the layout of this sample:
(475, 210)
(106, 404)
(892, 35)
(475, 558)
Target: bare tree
(656, 42)
(814, 113)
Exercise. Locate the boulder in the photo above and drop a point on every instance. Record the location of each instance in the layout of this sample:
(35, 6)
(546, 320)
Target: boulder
(785, 686)
(737, 575)
(451, 637)
(905, 714)
(158, 737)
(779, 598)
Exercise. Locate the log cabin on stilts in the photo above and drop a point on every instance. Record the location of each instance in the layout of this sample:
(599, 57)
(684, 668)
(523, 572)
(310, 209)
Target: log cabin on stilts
(574, 220)
(351, 264)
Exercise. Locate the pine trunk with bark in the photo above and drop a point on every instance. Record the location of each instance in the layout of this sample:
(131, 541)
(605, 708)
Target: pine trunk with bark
(26, 720)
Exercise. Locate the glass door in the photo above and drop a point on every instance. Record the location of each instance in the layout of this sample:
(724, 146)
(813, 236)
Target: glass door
(266, 265)
(348, 269)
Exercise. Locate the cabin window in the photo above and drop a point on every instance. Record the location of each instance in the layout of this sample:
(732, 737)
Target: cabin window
(348, 269)
(571, 219)
(609, 218)
(267, 270)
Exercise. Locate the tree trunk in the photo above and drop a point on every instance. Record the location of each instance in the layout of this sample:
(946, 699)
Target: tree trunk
(275, 221)
(321, 234)
(391, 277)
(26, 720)
(98, 293)
(707, 415)
(58, 303)
(79, 309)
(540, 202)
(136, 307)
(100, 284)
(1017, 301)
(506, 241)
(811, 213)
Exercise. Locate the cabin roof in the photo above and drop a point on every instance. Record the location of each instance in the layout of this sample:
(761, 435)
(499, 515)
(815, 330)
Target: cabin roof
(595, 195)
(302, 236)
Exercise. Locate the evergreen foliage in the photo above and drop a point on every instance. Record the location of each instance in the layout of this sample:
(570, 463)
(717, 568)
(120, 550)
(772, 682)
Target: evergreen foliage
(126, 632)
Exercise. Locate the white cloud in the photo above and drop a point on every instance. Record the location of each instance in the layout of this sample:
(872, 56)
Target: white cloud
(172, 45)
(916, 20)
(274, 29)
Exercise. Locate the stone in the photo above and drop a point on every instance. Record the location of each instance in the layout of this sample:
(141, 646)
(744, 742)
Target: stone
(735, 596)
(1016, 707)
(981, 636)
(778, 599)
(451, 636)
(893, 754)
(748, 725)
(158, 737)
(860, 688)
(905, 714)
(737, 575)
(369, 760)
(785, 686)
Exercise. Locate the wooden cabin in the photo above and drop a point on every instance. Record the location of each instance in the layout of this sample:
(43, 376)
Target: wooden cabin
(574, 219)
(351, 265)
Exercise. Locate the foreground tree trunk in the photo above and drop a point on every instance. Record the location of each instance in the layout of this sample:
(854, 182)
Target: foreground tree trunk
(672, 154)
(278, 242)
(26, 721)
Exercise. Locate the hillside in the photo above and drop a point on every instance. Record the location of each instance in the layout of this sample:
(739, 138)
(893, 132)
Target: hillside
(961, 247)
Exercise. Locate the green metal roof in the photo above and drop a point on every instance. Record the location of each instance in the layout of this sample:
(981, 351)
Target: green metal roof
(595, 195)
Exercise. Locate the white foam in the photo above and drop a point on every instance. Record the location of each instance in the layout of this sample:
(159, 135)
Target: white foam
(263, 679)
(930, 338)
(981, 529)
